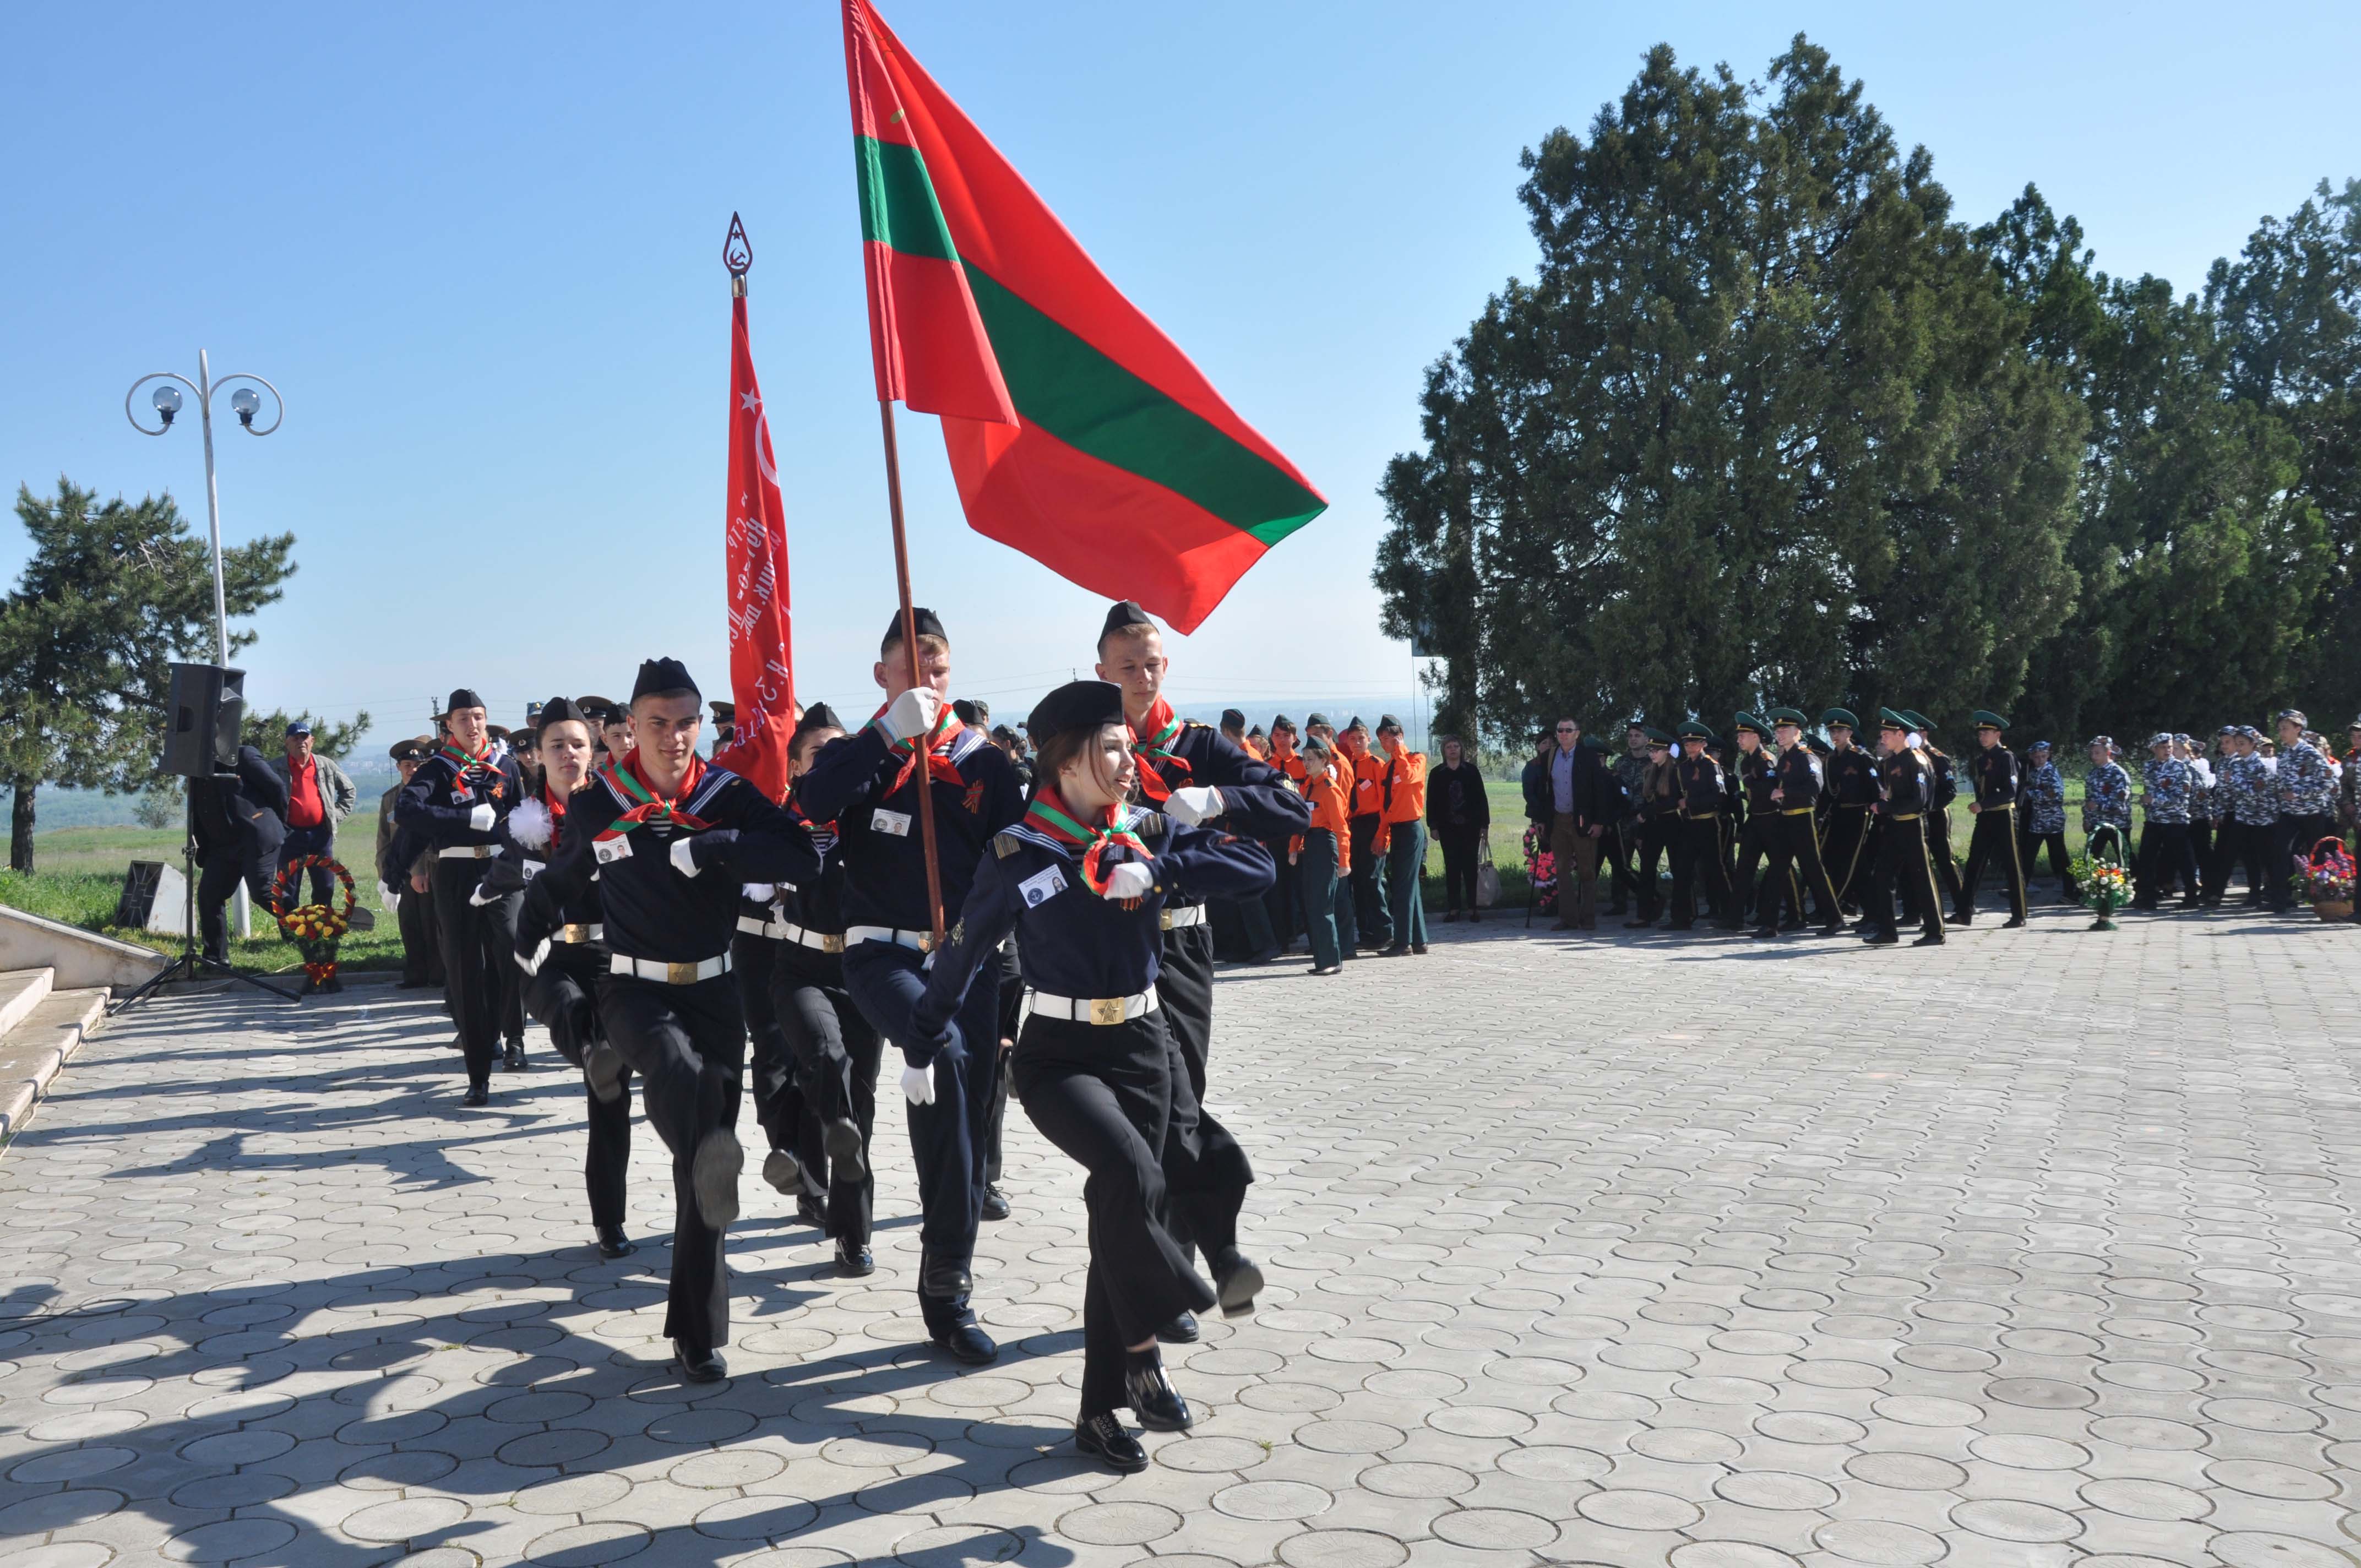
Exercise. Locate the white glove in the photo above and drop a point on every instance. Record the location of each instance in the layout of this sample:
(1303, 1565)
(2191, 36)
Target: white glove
(757, 892)
(533, 965)
(912, 713)
(481, 897)
(1129, 880)
(683, 859)
(482, 817)
(918, 1084)
(386, 897)
(1198, 803)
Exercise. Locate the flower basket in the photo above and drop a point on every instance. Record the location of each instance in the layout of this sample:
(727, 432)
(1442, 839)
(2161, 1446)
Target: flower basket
(315, 928)
(2325, 877)
(2099, 869)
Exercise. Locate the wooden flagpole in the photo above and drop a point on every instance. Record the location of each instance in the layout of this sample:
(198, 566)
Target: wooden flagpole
(910, 652)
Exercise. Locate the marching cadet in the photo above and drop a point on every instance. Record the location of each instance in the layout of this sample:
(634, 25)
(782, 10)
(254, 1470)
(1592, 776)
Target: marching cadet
(1348, 930)
(2254, 817)
(421, 965)
(1938, 816)
(2164, 851)
(615, 730)
(915, 755)
(2306, 788)
(2190, 750)
(2107, 797)
(1621, 843)
(454, 804)
(1083, 880)
(1992, 774)
(1853, 795)
(836, 1052)
(1194, 775)
(1758, 777)
(1373, 920)
(1796, 849)
(668, 839)
(562, 994)
(1906, 784)
(1660, 829)
(1700, 853)
(1286, 895)
(2041, 813)
(1323, 849)
(796, 1162)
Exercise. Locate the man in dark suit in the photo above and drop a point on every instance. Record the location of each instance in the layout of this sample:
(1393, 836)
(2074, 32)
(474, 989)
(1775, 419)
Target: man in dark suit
(238, 818)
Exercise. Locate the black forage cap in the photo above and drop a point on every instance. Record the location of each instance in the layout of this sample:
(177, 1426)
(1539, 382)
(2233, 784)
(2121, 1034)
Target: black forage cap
(819, 716)
(1077, 704)
(927, 622)
(664, 676)
(558, 709)
(1118, 616)
(462, 697)
(973, 713)
(1233, 718)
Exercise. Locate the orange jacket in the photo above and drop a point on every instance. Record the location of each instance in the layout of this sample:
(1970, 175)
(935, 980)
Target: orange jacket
(1402, 791)
(1369, 785)
(1331, 811)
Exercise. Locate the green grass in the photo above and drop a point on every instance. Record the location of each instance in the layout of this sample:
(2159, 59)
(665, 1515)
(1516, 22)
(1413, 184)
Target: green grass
(79, 876)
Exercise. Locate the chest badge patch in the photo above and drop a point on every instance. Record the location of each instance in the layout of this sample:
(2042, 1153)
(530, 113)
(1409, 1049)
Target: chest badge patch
(1041, 887)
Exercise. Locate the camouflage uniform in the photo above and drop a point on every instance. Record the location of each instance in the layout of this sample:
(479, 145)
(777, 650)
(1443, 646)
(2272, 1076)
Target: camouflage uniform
(2107, 800)
(2041, 823)
(2307, 803)
(2164, 852)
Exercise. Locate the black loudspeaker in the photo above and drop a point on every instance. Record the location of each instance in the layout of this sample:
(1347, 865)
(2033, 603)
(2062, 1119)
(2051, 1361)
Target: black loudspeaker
(208, 705)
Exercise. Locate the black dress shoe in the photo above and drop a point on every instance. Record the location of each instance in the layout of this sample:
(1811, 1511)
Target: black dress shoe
(1102, 1438)
(784, 1172)
(477, 1094)
(604, 1070)
(811, 1211)
(515, 1057)
(1764, 933)
(946, 1278)
(1882, 939)
(1237, 1281)
(1932, 939)
(1398, 950)
(2012, 923)
(1450, 916)
(1154, 1401)
(853, 1260)
(844, 1157)
(699, 1365)
(1418, 949)
(613, 1243)
(1474, 915)
(1958, 919)
(1181, 1330)
(713, 1174)
(995, 1204)
(1830, 927)
(965, 1342)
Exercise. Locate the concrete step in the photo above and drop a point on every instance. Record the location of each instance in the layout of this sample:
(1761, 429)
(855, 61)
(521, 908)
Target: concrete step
(21, 991)
(32, 1052)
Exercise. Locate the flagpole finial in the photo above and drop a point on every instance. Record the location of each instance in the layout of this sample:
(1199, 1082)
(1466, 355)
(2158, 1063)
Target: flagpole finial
(738, 254)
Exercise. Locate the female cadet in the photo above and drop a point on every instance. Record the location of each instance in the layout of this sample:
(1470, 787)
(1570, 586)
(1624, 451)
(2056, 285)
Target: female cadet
(564, 996)
(1324, 855)
(1083, 879)
(836, 1050)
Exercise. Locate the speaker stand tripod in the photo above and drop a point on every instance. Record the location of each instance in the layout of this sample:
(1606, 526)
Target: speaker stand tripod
(193, 964)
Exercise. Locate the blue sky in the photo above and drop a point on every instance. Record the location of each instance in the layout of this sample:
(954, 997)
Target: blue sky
(478, 248)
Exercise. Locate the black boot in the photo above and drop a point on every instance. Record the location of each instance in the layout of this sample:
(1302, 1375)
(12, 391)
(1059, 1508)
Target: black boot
(1154, 1400)
(477, 1094)
(613, 1243)
(515, 1058)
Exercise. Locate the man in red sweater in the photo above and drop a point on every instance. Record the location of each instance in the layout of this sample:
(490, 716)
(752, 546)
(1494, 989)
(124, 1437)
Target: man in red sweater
(319, 796)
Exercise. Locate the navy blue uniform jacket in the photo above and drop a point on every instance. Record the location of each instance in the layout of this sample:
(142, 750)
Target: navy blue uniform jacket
(878, 836)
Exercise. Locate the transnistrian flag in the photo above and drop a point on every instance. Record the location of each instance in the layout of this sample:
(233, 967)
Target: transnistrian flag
(762, 628)
(1078, 433)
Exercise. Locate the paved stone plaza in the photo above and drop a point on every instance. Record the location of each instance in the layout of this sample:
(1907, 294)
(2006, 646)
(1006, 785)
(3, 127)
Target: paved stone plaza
(2038, 1249)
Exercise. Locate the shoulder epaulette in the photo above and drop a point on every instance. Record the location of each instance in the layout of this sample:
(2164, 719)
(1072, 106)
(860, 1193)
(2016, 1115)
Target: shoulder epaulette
(1005, 843)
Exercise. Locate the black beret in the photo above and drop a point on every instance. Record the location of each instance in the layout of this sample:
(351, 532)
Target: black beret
(462, 697)
(664, 676)
(927, 622)
(1123, 615)
(558, 710)
(1077, 704)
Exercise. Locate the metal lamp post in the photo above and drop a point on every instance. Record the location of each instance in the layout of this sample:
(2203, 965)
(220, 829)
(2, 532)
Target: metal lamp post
(245, 403)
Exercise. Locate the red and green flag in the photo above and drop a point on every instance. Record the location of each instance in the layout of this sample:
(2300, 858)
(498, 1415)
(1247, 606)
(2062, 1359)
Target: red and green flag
(1078, 433)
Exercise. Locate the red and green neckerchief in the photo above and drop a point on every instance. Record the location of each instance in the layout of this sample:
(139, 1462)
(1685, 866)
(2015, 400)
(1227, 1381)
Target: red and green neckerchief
(463, 761)
(1047, 814)
(627, 781)
(939, 766)
(556, 805)
(1152, 740)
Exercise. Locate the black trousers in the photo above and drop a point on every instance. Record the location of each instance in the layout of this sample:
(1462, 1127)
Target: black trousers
(836, 1054)
(1700, 858)
(1199, 1152)
(221, 871)
(1460, 854)
(1902, 867)
(688, 1045)
(2248, 842)
(1371, 918)
(1757, 842)
(2061, 865)
(1012, 1012)
(422, 963)
(478, 943)
(1845, 852)
(1992, 841)
(1284, 901)
(1104, 1094)
(563, 998)
(1620, 847)
(885, 982)
(2201, 844)
(2164, 851)
(1797, 869)
(1940, 859)
(782, 1109)
(320, 838)
(1659, 847)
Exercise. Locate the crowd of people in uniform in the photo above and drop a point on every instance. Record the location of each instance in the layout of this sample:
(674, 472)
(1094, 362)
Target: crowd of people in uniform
(1851, 835)
(675, 925)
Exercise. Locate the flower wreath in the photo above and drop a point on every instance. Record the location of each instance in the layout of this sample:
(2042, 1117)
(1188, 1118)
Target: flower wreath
(315, 928)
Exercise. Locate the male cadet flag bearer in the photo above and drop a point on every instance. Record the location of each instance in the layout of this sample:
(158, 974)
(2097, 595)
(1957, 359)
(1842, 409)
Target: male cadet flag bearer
(456, 802)
(1194, 775)
(669, 838)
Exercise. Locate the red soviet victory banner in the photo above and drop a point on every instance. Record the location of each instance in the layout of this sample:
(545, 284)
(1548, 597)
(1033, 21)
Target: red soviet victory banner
(761, 679)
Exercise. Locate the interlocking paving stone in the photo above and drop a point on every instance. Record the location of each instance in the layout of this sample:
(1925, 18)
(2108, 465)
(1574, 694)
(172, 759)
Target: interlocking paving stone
(2040, 1248)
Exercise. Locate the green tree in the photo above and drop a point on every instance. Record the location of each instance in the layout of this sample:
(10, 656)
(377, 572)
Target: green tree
(1761, 426)
(113, 594)
(267, 732)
